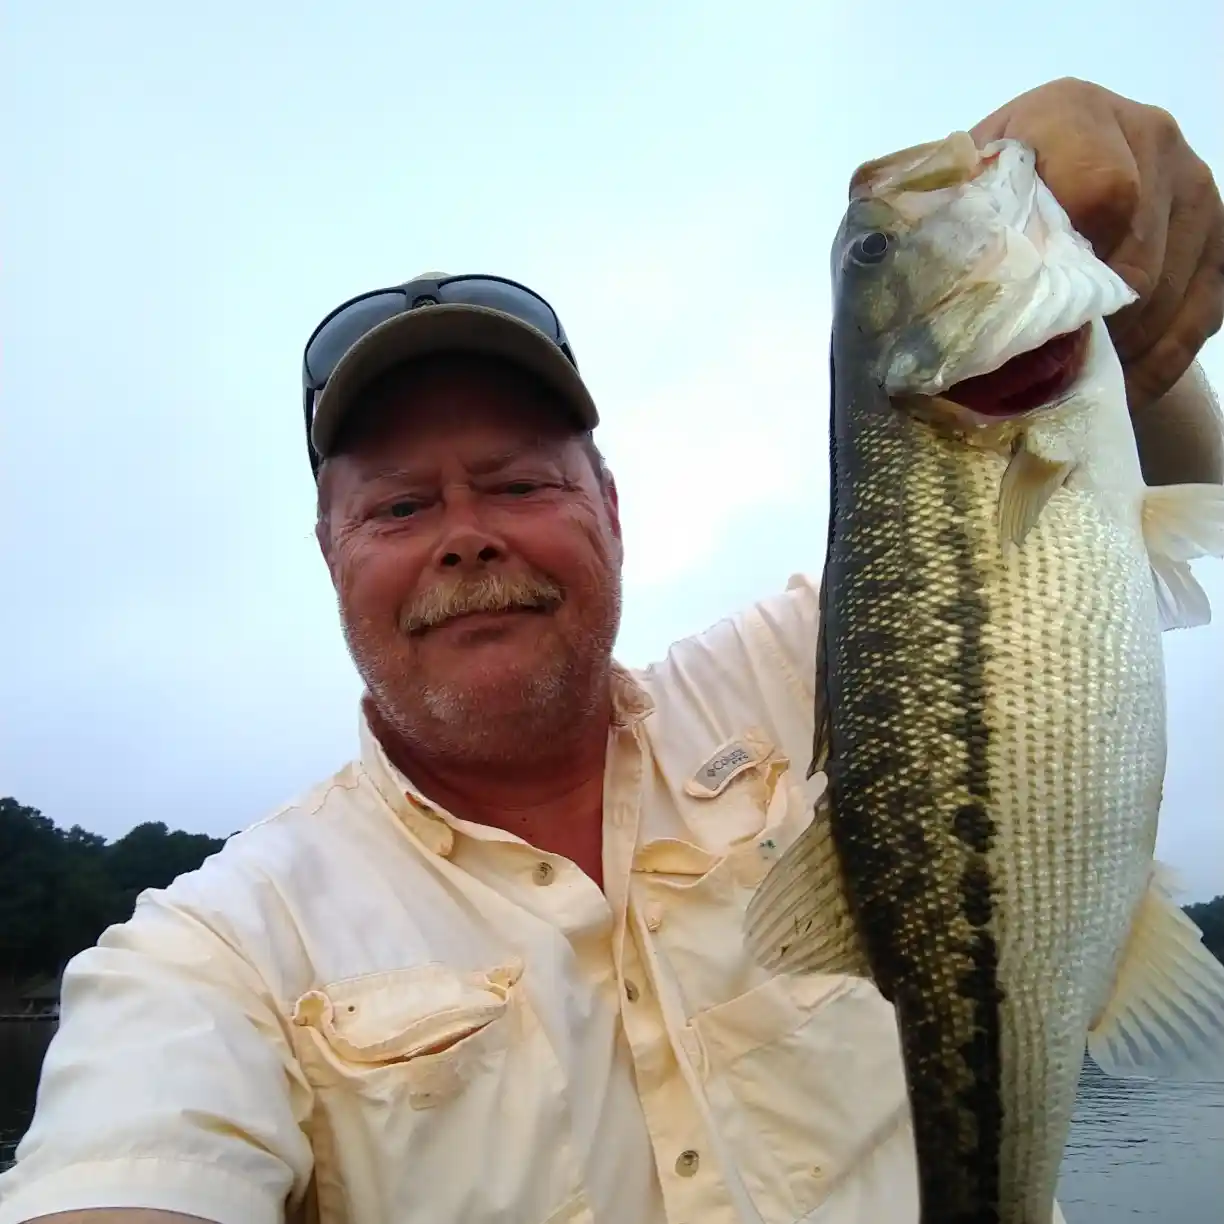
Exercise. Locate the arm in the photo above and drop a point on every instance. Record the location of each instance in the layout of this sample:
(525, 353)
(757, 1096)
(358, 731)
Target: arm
(754, 668)
(106, 1216)
(1181, 435)
(169, 1093)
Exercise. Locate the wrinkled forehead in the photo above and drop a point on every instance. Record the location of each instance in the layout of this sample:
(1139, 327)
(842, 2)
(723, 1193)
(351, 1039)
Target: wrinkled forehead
(426, 455)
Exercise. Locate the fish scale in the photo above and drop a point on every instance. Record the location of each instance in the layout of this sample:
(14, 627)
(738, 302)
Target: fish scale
(990, 688)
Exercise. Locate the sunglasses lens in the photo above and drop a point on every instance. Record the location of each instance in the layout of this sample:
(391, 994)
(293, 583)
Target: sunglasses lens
(343, 330)
(509, 299)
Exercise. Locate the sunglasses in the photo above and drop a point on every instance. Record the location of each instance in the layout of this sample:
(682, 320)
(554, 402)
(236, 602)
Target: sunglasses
(352, 320)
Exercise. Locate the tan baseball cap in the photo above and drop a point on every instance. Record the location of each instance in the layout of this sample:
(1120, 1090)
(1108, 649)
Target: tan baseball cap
(448, 326)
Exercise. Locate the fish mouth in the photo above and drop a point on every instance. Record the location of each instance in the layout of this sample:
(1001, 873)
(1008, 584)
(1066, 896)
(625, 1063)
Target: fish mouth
(1028, 381)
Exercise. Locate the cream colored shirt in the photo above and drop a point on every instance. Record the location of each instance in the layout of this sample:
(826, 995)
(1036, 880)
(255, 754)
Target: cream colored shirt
(366, 1011)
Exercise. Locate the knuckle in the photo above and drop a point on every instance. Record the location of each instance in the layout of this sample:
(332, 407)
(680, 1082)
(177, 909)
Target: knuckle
(1143, 282)
(1154, 377)
(1213, 315)
(1121, 187)
(1164, 127)
(1074, 86)
(1201, 188)
(1178, 351)
(1200, 175)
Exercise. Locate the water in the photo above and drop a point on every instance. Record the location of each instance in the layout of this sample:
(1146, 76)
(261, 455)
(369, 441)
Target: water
(1137, 1152)
(22, 1046)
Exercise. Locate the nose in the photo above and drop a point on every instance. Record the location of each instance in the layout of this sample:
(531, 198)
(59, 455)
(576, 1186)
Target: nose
(466, 544)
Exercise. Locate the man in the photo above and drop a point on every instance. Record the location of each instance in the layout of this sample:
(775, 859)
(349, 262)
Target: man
(492, 970)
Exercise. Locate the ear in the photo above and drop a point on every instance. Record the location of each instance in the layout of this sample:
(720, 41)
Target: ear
(323, 516)
(323, 537)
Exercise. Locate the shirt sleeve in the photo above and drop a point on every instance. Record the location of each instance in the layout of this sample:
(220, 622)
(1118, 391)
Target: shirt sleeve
(760, 663)
(170, 1083)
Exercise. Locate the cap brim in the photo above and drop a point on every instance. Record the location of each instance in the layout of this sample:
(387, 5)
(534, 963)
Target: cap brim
(438, 329)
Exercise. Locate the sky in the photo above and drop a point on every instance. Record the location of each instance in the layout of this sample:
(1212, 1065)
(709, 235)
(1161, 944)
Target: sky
(187, 189)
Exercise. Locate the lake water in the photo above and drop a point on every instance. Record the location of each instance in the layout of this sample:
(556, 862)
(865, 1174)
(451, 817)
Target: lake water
(1137, 1152)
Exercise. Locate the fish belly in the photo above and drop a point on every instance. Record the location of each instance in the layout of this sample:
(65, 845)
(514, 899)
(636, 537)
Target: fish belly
(996, 758)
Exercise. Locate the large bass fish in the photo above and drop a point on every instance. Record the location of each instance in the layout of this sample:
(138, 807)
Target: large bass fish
(991, 702)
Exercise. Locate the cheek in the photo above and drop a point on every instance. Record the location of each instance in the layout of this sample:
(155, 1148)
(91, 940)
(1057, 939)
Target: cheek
(373, 578)
(575, 546)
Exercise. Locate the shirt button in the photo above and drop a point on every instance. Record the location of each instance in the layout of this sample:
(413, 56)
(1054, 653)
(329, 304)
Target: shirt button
(631, 992)
(654, 917)
(543, 873)
(687, 1162)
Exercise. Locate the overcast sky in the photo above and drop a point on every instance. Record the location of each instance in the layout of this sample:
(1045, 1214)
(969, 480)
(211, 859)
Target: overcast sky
(187, 188)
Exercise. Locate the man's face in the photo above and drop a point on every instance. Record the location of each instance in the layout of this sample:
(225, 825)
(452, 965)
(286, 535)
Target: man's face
(476, 556)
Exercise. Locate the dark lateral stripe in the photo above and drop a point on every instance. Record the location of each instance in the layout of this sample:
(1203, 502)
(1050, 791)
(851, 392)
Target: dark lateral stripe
(972, 825)
(911, 812)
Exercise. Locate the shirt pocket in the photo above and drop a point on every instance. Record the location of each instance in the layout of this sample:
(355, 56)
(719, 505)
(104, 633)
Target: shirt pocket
(804, 1080)
(438, 1097)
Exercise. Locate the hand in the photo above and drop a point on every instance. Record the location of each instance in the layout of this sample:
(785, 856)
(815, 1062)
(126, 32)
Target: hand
(1148, 204)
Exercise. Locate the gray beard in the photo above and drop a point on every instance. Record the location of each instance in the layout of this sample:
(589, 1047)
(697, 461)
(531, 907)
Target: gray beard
(537, 715)
(463, 724)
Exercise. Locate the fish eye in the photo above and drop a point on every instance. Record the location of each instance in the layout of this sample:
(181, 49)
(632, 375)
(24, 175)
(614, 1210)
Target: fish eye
(870, 248)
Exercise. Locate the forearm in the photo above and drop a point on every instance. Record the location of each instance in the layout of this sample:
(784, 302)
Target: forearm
(1181, 435)
(108, 1215)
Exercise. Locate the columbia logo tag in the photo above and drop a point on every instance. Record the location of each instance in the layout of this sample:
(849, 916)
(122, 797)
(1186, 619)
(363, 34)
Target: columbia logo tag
(728, 762)
(725, 764)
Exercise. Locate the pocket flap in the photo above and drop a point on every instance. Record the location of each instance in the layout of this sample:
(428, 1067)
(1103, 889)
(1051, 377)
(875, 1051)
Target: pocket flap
(407, 1012)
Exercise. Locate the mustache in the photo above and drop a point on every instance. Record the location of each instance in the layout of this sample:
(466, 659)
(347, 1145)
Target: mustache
(489, 593)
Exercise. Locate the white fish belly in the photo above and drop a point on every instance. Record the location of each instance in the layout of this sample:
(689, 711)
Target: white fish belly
(1075, 705)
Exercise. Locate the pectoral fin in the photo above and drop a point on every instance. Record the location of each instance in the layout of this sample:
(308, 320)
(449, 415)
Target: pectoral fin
(1165, 1018)
(799, 919)
(1029, 482)
(1180, 524)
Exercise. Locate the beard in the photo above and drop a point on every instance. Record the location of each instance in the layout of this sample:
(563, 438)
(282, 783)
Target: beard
(509, 712)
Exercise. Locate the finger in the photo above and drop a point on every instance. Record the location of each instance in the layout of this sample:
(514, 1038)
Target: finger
(1140, 260)
(993, 126)
(1189, 225)
(1140, 257)
(1093, 173)
(1199, 317)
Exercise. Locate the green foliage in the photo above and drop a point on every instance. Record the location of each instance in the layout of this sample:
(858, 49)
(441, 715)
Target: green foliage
(1208, 916)
(60, 889)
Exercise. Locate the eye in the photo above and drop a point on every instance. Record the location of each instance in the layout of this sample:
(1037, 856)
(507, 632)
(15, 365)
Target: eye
(403, 509)
(519, 488)
(870, 248)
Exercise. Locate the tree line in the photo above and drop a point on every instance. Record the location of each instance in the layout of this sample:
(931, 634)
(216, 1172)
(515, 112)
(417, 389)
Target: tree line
(60, 889)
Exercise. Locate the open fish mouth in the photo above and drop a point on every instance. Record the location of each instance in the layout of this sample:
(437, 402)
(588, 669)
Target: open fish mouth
(1028, 381)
